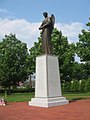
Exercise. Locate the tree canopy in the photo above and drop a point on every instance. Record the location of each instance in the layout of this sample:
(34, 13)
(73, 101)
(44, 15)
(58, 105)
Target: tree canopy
(83, 49)
(13, 56)
(83, 46)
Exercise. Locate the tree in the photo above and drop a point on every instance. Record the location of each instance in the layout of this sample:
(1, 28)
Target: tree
(65, 53)
(83, 49)
(79, 71)
(83, 46)
(13, 57)
(34, 52)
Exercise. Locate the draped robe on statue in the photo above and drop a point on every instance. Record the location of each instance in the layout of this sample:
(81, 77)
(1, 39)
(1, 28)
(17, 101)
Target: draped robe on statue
(46, 35)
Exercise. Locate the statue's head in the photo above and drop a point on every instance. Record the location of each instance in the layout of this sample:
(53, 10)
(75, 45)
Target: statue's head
(45, 14)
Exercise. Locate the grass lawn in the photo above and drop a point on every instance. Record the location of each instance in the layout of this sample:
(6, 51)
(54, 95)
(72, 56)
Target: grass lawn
(77, 96)
(18, 97)
(21, 97)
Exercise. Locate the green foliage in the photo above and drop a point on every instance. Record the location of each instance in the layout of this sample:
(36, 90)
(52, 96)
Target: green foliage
(74, 86)
(83, 46)
(83, 50)
(13, 57)
(86, 69)
(79, 71)
(17, 90)
(87, 87)
(82, 86)
(65, 53)
(66, 86)
(34, 52)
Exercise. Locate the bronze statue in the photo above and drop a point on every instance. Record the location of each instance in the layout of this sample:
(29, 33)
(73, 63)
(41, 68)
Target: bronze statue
(47, 27)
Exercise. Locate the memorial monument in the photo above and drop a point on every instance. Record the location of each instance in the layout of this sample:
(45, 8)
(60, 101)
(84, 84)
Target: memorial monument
(48, 85)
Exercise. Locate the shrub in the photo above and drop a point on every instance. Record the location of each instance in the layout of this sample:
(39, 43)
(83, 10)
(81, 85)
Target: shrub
(66, 87)
(74, 86)
(87, 86)
(19, 90)
(82, 86)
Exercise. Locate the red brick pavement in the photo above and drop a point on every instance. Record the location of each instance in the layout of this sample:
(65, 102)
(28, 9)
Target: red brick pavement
(78, 110)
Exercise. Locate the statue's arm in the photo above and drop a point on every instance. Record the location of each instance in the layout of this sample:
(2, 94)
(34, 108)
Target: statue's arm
(45, 25)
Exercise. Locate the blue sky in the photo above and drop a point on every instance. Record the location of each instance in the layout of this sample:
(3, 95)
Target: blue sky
(65, 10)
(23, 17)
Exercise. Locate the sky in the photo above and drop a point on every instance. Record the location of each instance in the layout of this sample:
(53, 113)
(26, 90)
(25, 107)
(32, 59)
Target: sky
(23, 18)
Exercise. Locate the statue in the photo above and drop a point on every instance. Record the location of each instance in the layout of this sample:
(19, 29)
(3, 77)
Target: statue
(47, 27)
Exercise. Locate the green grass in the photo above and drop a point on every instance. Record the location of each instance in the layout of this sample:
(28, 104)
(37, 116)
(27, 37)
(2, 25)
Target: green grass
(18, 97)
(77, 96)
(21, 97)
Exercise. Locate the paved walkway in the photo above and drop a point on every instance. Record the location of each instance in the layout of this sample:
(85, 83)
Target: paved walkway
(78, 110)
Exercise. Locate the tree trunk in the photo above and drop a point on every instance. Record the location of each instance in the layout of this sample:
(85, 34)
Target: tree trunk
(9, 90)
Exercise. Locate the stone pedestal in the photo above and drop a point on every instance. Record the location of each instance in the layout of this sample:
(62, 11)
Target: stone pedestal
(47, 86)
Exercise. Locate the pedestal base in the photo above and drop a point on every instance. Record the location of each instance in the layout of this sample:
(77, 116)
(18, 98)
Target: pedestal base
(47, 84)
(48, 102)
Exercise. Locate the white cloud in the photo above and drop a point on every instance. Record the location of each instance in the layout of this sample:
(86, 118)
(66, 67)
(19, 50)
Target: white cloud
(24, 30)
(71, 31)
(28, 32)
